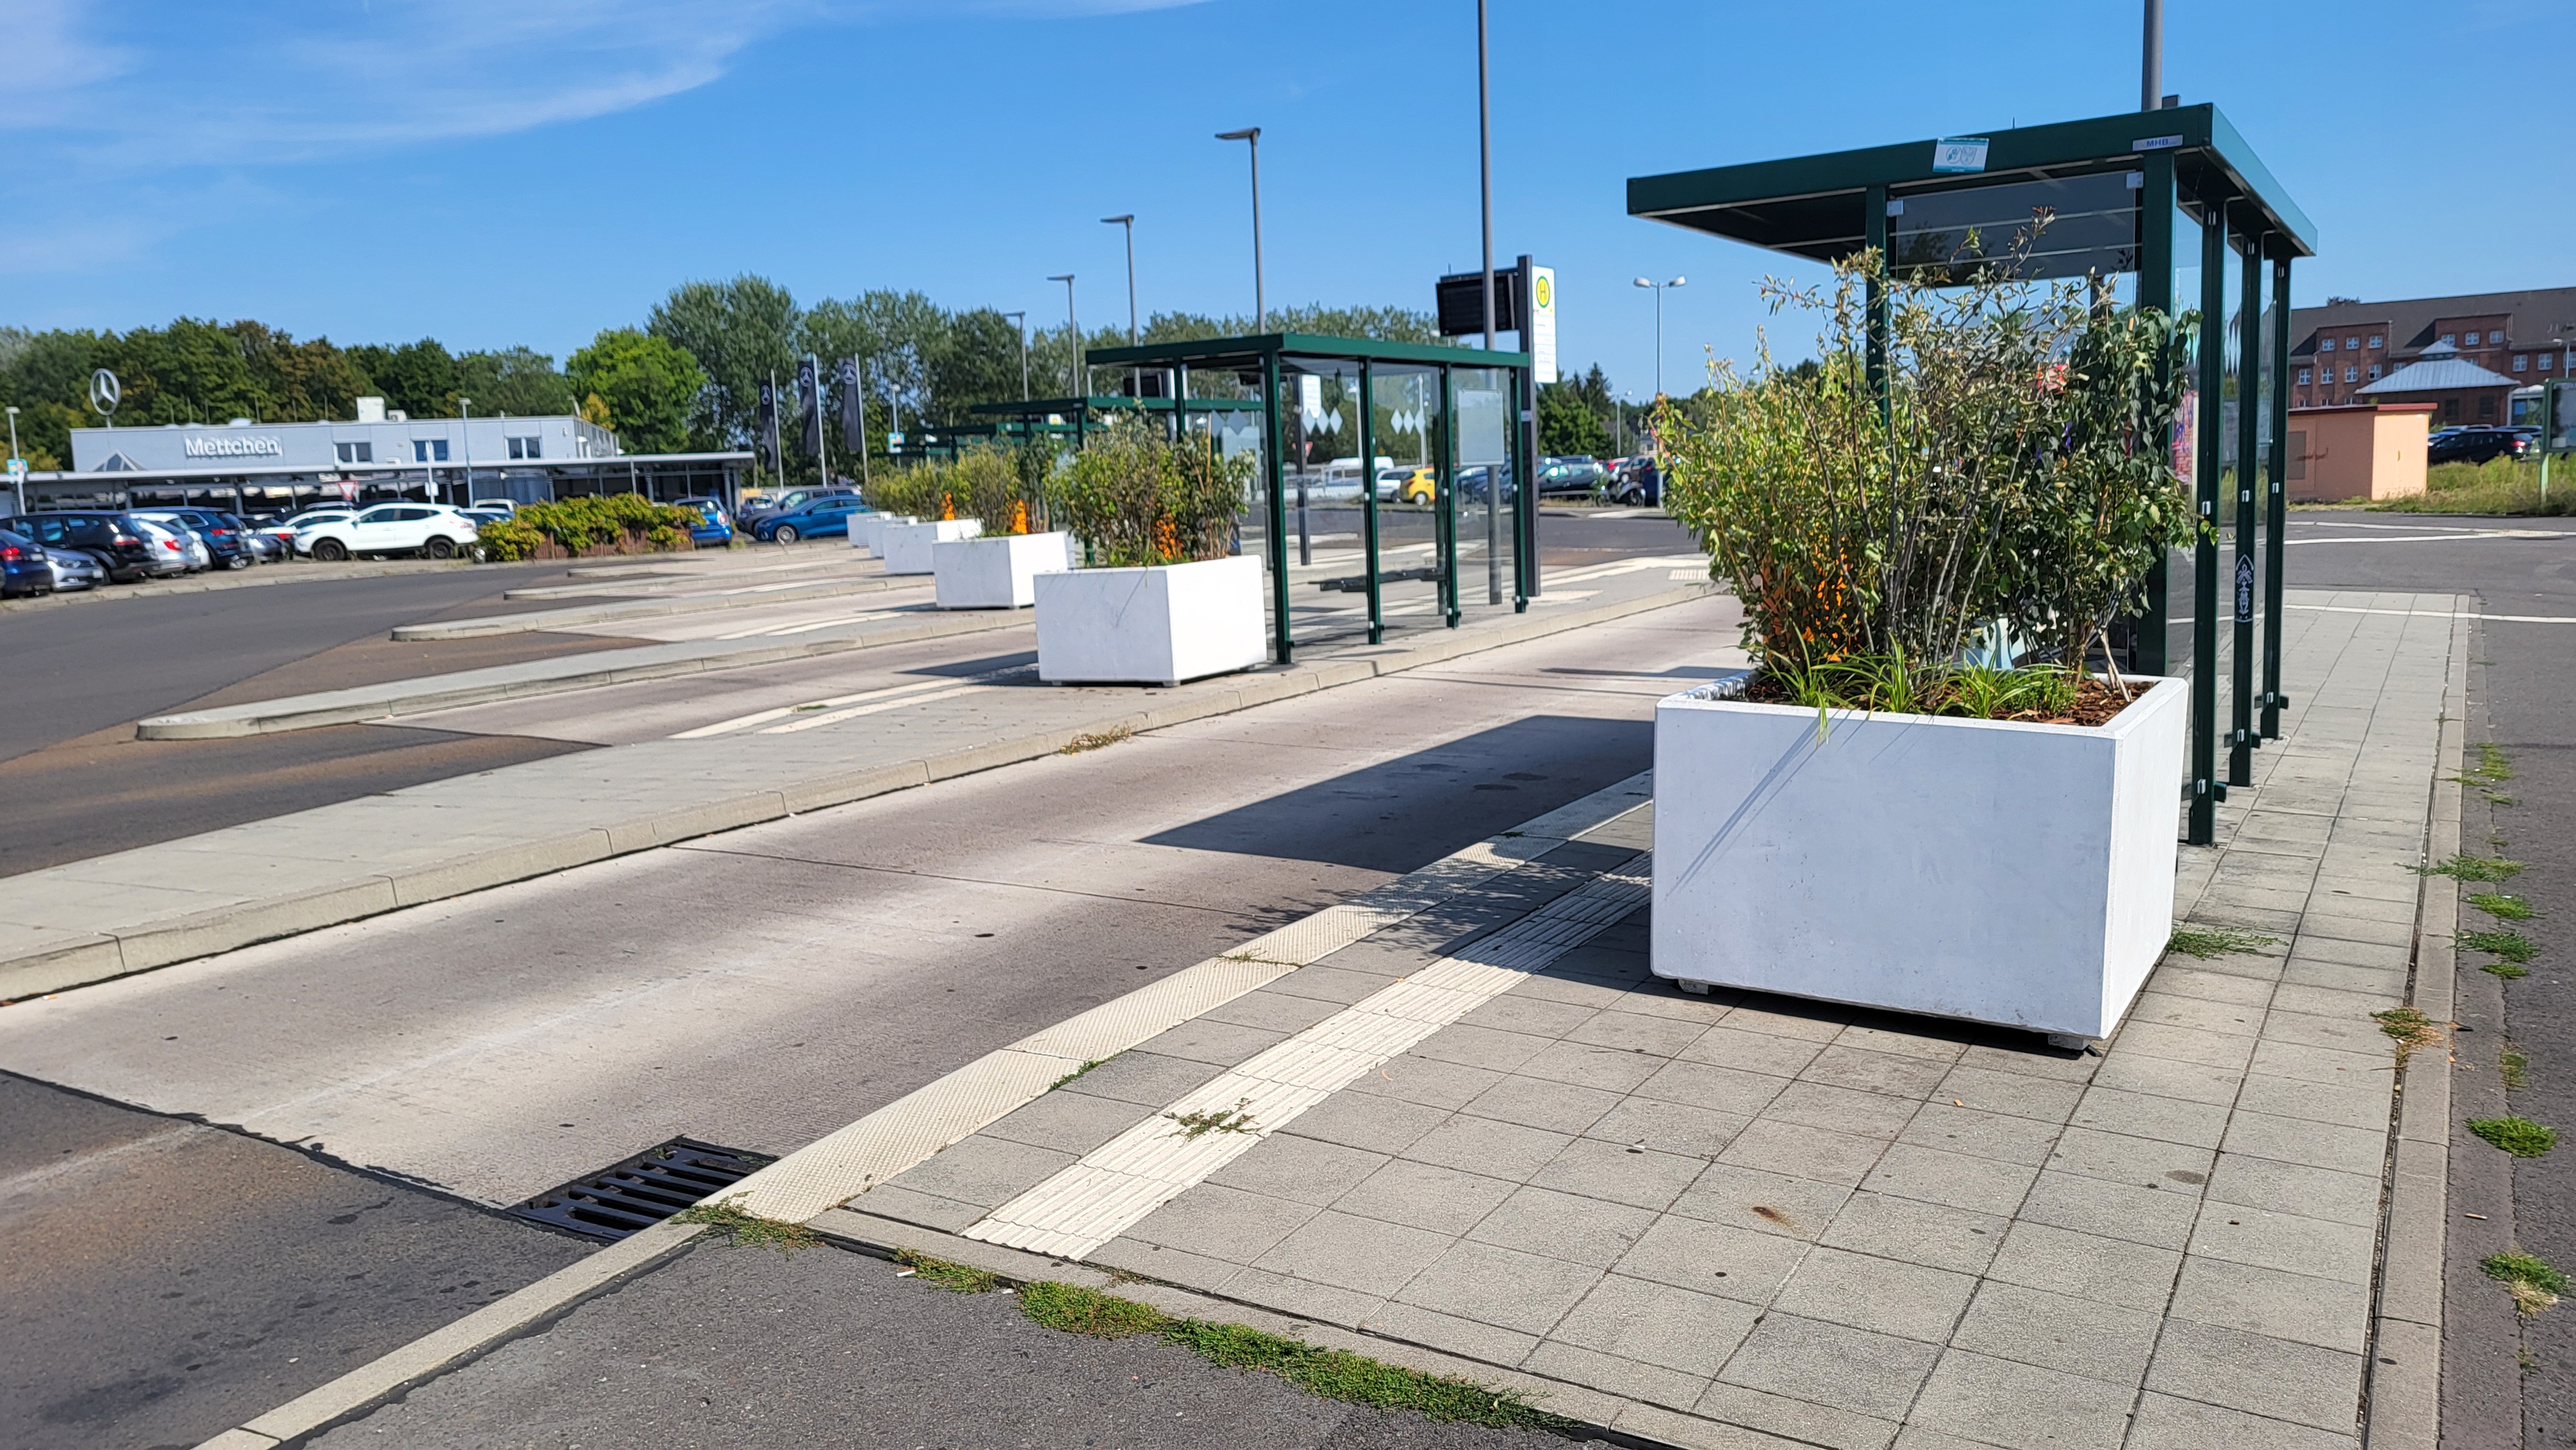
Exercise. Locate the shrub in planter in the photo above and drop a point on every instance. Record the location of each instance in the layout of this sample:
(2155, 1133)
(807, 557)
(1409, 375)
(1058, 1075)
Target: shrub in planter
(986, 484)
(1920, 798)
(1170, 601)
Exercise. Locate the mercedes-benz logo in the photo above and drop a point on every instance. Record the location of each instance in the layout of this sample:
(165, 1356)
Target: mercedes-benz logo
(105, 392)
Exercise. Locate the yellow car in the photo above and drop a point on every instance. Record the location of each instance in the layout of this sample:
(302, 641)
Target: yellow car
(1407, 485)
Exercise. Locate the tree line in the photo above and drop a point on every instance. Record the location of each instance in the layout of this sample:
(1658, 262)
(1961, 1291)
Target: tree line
(687, 379)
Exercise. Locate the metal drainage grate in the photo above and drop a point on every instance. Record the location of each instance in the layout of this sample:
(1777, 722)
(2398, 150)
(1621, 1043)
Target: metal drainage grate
(642, 1191)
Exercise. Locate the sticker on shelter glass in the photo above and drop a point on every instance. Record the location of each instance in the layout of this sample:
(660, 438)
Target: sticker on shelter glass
(1959, 153)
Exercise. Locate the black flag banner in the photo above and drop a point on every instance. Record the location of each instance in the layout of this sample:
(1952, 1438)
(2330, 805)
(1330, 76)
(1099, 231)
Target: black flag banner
(768, 435)
(809, 415)
(854, 408)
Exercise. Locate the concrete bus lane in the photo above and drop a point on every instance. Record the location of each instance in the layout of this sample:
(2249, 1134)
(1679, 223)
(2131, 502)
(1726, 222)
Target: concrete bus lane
(760, 988)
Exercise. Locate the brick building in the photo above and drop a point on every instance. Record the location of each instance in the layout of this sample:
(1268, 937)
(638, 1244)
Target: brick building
(2347, 345)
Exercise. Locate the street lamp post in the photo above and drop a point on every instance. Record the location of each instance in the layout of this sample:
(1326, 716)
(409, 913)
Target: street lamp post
(465, 441)
(1658, 289)
(20, 479)
(1021, 321)
(1485, 191)
(1260, 310)
(1128, 221)
(1081, 375)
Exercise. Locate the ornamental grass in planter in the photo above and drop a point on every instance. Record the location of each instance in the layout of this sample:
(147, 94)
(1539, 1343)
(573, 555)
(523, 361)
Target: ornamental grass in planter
(1167, 599)
(1920, 797)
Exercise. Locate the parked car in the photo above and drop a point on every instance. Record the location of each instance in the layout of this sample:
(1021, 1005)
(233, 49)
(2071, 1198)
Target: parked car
(715, 529)
(1408, 485)
(24, 572)
(74, 571)
(110, 539)
(495, 505)
(754, 510)
(820, 518)
(1471, 485)
(483, 516)
(433, 531)
(2477, 445)
(174, 550)
(1579, 477)
(222, 536)
(1637, 481)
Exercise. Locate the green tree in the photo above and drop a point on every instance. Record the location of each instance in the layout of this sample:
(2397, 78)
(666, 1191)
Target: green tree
(1567, 426)
(418, 378)
(741, 333)
(650, 386)
(518, 381)
(302, 380)
(975, 360)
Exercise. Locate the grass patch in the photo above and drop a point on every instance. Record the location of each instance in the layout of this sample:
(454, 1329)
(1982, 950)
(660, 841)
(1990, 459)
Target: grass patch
(2515, 1067)
(2527, 1277)
(948, 1274)
(2474, 868)
(1077, 1072)
(2510, 971)
(1098, 740)
(2521, 1137)
(2497, 486)
(2501, 906)
(1332, 1373)
(2513, 946)
(1196, 1125)
(749, 1230)
(2491, 768)
(2409, 1028)
(2205, 942)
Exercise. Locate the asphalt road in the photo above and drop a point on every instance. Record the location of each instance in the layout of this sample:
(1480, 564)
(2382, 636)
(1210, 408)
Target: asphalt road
(763, 987)
(2523, 698)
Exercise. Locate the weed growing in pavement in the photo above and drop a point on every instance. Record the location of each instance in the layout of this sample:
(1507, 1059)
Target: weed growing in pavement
(2515, 1067)
(1077, 1072)
(1332, 1373)
(2473, 868)
(746, 1230)
(2205, 942)
(2409, 1028)
(2510, 971)
(1099, 740)
(2521, 1137)
(2491, 768)
(2502, 907)
(2528, 1278)
(954, 1277)
(2513, 946)
(1195, 1125)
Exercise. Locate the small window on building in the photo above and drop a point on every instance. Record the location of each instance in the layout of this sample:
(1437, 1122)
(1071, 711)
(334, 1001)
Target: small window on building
(2486, 408)
(526, 448)
(2520, 361)
(355, 452)
(2450, 338)
(2352, 344)
(2473, 340)
(429, 450)
(2374, 372)
(2545, 361)
(2326, 346)
(2374, 339)
(2303, 377)
(2352, 375)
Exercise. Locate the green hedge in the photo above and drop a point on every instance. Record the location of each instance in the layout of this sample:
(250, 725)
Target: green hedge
(575, 524)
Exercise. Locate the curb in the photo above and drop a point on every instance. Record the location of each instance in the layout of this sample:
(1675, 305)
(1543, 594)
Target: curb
(535, 620)
(811, 1183)
(2403, 1407)
(82, 960)
(585, 671)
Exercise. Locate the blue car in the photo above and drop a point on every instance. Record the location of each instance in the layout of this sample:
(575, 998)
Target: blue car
(712, 530)
(822, 518)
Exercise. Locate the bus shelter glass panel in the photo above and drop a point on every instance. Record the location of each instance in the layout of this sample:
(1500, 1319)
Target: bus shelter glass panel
(1324, 479)
(2186, 427)
(1410, 444)
(2234, 389)
(1488, 489)
(2071, 226)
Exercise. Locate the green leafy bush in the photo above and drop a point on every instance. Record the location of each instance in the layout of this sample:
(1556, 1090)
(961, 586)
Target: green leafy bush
(2011, 481)
(575, 524)
(987, 484)
(1136, 496)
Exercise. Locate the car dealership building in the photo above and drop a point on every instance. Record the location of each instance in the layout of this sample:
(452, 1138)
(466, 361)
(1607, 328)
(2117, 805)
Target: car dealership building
(246, 467)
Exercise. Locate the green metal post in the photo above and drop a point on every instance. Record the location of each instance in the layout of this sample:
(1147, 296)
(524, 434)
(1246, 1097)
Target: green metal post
(1874, 230)
(2279, 522)
(1368, 495)
(1282, 644)
(2249, 393)
(1525, 501)
(2204, 579)
(2150, 643)
(1444, 522)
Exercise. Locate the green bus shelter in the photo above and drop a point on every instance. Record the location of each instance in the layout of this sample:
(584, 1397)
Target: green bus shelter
(2169, 209)
(1315, 411)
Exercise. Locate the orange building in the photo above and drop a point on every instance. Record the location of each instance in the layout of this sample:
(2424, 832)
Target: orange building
(2360, 451)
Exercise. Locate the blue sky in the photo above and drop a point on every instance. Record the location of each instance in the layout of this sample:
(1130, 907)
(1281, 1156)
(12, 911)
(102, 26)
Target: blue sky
(504, 171)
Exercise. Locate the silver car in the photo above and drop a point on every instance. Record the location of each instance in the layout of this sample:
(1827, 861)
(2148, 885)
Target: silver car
(74, 571)
(174, 550)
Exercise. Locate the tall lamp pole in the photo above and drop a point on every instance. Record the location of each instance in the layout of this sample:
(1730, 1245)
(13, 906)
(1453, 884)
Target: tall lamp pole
(1485, 197)
(465, 441)
(1128, 221)
(20, 479)
(1081, 374)
(1260, 310)
(1658, 289)
(2151, 72)
(1021, 320)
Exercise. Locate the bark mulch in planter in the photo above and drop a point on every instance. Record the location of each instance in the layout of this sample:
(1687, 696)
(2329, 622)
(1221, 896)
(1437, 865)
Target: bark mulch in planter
(2096, 702)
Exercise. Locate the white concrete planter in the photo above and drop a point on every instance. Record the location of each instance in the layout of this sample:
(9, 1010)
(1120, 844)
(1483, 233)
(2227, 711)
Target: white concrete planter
(1983, 869)
(999, 571)
(1160, 625)
(906, 547)
(867, 530)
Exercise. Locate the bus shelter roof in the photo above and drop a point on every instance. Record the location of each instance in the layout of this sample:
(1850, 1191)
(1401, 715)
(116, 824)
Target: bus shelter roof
(1221, 352)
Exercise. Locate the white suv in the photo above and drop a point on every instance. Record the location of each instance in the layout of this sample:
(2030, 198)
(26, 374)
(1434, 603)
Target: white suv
(433, 530)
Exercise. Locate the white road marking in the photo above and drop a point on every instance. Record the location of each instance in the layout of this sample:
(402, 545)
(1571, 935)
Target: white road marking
(2441, 538)
(888, 692)
(855, 711)
(2435, 614)
(1117, 1184)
